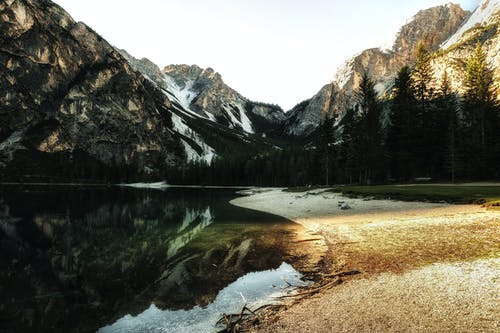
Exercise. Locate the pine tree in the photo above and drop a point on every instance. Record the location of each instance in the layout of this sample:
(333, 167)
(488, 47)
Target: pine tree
(325, 145)
(402, 137)
(421, 84)
(480, 117)
(422, 76)
(370, 146)
(348, 155)
(447, 127)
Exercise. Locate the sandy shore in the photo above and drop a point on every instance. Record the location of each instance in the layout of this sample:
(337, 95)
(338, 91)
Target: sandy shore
(425, 266)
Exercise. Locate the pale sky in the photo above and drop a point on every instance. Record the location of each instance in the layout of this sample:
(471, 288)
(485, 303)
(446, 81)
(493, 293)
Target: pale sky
(274, 51)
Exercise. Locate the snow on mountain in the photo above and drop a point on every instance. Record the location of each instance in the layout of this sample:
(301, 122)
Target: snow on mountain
(203, 92)
(345, 72)
(432, 26)
(198, 98)
(183, 95)
(204, 152)
(482, 27)
(482, 13)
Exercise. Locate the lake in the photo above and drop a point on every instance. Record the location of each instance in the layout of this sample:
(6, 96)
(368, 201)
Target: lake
(116, 259)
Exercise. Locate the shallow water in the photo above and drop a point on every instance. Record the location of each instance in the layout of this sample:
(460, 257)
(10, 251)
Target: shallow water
(253, 289)
(79, 259)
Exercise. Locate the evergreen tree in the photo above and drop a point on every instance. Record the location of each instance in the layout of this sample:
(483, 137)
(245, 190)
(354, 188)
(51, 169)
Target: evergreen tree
(369, 134)
(447, 127)
(421, 84)
(422, 76)
(325, 146)
(348, 154)
(480, 117)
(402, 136)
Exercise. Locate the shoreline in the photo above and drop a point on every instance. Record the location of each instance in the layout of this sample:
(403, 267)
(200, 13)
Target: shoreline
(395, 245)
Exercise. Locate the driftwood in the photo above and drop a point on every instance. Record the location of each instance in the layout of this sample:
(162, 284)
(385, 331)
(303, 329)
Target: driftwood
(315, 290)
(233, 321)
(308, 240)
(341, 274)
(337, 279)
(344, 243)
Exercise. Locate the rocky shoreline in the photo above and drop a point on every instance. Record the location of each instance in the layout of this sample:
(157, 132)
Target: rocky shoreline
(424, 266)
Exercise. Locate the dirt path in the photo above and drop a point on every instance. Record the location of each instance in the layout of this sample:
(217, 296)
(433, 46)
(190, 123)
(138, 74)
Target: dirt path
(425, 267)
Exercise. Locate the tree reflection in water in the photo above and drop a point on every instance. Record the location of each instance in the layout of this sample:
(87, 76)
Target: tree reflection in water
(76, 259)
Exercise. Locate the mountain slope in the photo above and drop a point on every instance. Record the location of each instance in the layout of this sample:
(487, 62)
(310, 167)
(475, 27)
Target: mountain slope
(223, 124)
(482, 27)
(73, 107)
(485, 10)
(67, 95)
(433, 26)
(204, 93)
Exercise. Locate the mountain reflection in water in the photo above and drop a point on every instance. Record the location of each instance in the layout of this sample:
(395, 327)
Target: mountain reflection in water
(76, 259)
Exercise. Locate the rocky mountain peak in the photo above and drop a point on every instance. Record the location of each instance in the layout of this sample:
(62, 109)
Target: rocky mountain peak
(68, 93)
(433, 26)
(204, 92)
(482, 27)
(193, 73)
(145, 66)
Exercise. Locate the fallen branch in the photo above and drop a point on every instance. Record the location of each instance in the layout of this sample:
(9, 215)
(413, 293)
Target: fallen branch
(336, 281)
(344, 243)
(341, 274)
(288, 283)
(233, 326)
(308, 240)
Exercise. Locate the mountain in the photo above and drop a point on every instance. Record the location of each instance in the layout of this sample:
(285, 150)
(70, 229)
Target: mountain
(203, 92)
(70, 100)
(482, 27)
(433, 26)
(74, 107)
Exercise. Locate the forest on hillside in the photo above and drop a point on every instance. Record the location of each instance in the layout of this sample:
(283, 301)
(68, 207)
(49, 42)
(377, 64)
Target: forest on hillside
(423, 130)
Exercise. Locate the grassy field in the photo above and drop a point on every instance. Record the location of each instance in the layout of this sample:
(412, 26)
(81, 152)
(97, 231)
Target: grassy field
(480, 194)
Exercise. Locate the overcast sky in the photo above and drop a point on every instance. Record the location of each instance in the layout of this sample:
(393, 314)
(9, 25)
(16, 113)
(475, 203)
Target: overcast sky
(275, 51)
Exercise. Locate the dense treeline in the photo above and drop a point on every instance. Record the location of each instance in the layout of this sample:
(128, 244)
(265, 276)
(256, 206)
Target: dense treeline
(31, 165)
(425, 130)
(436, 133)
(292, 166)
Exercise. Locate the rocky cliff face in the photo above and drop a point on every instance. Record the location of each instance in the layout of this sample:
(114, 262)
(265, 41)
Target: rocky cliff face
(66, 92)
(433, 26)
(204, 92)
(72, 106)
(482, 27)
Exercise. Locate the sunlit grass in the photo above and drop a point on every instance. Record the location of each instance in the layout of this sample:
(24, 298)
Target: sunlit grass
(489, 196)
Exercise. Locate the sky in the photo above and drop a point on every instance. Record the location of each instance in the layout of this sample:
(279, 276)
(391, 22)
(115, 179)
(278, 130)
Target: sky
(273, 51)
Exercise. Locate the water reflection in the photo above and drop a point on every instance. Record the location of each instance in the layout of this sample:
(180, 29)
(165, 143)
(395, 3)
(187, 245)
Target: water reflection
(78, 259)
(252, 289)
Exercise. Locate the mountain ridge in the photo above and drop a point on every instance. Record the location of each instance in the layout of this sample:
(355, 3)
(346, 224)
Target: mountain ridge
(74, 104)
(433, 26)
(74, 107)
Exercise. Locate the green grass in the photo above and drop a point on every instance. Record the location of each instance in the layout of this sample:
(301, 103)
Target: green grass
(299, 189)
(486, 195)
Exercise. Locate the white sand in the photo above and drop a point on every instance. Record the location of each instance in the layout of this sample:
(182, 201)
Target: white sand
(426, 267)
(458, 297)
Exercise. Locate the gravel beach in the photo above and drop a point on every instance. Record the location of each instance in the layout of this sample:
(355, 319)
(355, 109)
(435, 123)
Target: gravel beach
(430, 267)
